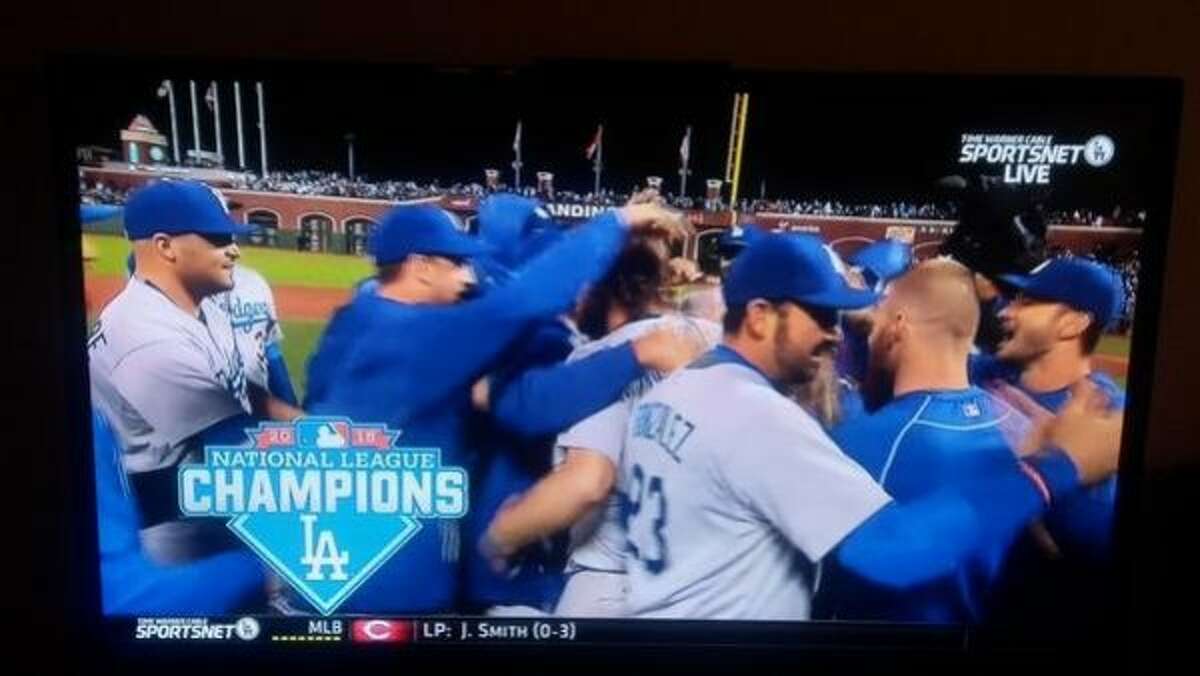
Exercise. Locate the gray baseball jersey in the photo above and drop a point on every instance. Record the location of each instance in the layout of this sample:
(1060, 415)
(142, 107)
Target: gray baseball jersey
(251, 306)
(731, 486)
(598, 542)
(161, 375)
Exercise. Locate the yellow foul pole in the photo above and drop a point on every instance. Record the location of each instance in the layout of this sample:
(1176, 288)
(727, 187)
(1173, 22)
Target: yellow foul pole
(741, 144)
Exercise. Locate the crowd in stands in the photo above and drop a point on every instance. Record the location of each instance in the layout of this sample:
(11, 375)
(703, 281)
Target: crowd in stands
(99, 193)
(1096, 219)
(333, 184)
(336, 185)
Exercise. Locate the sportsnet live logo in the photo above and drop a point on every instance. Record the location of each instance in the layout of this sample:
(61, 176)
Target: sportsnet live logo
(1028, 158)
(324, 501)
(194, 629)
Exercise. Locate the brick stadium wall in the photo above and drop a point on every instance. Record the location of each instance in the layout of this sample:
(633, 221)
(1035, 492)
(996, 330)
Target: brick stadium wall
(846, 234)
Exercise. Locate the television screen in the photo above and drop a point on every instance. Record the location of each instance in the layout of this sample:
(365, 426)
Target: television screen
(610, 354)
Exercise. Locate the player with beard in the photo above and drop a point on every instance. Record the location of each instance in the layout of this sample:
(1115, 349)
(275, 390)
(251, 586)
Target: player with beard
(735, 493)
(929, 429)
(1050, 332)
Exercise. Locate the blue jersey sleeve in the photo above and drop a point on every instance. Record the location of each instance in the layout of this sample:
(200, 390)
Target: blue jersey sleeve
(131, 584)
(1083, 523)
(903, 545)
(471, 335)
(279, 383)
(550, 399)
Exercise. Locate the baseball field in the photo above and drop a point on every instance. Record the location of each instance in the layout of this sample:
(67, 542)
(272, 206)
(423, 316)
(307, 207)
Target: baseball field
(308, 287)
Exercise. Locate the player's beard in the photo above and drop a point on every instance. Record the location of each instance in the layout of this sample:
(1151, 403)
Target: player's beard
(797, 365)
(877, 388)
(880, 378)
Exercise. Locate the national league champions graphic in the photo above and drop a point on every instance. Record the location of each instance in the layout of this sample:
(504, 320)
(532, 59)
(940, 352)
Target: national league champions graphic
(324, 501)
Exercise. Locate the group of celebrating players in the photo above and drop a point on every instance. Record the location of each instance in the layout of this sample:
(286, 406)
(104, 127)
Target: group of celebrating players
(815, 438)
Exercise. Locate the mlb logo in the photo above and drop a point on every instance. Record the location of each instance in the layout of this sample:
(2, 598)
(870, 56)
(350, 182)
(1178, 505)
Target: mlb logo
(322, 434)
(971, 410)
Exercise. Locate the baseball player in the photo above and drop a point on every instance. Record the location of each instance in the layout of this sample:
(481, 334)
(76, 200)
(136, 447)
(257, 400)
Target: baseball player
(581, 493)
(409, 353)
(528, 398)
(250, 304)
(735, 493)
(934, 431)
(1050, 331)
(165, 368)
(130, 583)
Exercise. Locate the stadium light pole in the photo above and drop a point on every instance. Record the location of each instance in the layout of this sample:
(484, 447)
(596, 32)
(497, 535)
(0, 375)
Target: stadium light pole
(350, 153)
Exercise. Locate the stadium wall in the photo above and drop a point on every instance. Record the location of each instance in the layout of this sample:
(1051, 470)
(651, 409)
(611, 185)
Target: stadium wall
(845, 234)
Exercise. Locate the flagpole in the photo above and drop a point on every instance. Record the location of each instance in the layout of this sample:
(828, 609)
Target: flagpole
(217, 119)
(599, 159)
(237, 110)
(685, 159)
(195, 120)
(262, 127)
(516, 165)
(174, 121)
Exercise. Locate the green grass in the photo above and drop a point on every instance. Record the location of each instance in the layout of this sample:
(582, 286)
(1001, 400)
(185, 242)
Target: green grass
(299, 342)
(1116, 346)
(278, 266)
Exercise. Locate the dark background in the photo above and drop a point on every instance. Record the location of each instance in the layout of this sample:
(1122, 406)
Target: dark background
(871, 141)
(1102, 37)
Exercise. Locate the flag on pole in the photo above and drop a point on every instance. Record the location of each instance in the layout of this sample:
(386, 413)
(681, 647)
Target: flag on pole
(596, 141)
(210, 97)
(164, 89)
(517, 139)
(685, 147)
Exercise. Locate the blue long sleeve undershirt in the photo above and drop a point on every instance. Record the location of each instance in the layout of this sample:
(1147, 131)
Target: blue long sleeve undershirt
(903, 545)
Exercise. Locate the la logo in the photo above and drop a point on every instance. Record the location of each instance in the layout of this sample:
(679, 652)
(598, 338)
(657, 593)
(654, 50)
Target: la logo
(324, 552)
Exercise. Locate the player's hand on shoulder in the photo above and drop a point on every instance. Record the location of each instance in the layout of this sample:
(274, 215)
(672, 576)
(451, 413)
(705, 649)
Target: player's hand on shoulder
(1088, 432)
(666, 349)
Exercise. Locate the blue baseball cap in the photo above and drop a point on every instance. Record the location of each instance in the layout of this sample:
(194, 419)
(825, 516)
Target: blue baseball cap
(178, 208)
(421, 229)
(1082, 284)
(510, 223)
(885, 260)
(734, 240)
(795, 267)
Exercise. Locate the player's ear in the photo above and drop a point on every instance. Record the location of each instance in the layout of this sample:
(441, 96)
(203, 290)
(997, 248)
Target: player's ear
(165, 246)
(1073, 324)
(760, 319)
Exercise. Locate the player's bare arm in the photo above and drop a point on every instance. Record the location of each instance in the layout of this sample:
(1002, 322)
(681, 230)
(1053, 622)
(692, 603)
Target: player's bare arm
(579, 485)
